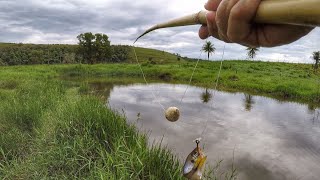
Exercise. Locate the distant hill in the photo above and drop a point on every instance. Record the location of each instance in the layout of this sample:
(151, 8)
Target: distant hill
(25, 54)
(153, 56)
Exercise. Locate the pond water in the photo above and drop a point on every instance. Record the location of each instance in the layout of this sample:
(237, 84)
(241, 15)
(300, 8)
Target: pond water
(264, 138)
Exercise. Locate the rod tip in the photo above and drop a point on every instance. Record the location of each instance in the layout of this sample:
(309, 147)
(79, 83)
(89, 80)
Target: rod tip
(146, 32)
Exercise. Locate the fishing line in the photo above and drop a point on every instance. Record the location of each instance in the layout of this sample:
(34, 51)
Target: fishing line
(200, 156)
(214, 93)
(143, 75)
(184, 94)
(194, 69)
(190, 80)
(145, 80)
(152, 91)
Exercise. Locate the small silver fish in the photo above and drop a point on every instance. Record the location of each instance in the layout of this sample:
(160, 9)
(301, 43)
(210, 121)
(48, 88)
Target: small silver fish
(194, 164)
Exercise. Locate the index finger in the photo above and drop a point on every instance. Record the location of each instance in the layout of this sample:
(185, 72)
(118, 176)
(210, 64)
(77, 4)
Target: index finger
(212, 5)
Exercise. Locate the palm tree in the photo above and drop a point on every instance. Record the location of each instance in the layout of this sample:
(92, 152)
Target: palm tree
(206, 96)
(209, 48)
(316, 57)
(252, 52)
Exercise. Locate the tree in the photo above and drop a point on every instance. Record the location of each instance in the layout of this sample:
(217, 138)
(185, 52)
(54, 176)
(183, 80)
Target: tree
(2, 63)
(252, 52)
(94, 47)
(120, 53)
(103, 50)
(23, 54)
(316, 58)
(69, 58)
(209, 48)
(86, 41)
(36, 57)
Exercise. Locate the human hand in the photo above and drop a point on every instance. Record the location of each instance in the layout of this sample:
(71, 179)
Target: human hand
(231, 21)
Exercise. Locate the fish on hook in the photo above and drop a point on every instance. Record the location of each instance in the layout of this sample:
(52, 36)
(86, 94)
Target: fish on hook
(194, 164)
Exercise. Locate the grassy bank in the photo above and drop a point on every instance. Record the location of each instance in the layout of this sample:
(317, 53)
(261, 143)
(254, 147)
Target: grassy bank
(293, 82)
(52, 129)
(48, 130)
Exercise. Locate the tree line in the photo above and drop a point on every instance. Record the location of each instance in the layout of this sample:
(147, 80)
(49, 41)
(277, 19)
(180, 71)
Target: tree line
(209, 48)
(91, 48)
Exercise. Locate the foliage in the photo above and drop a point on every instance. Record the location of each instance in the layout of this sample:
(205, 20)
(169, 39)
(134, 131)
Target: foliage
(288, 81)
(29, 54)
(94, 47)
(209, 48)
(86, 46)
(252, 52)
(103, 50)
(26, 54)
(120, 53)
(67, 135)
(2, 63)
(50, 131)
(316, 58)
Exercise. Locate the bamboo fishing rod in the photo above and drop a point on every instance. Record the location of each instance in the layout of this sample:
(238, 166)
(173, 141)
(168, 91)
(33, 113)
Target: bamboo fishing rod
(294, 12)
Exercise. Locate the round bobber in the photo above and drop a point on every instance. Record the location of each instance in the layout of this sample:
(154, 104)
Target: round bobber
(172, 114)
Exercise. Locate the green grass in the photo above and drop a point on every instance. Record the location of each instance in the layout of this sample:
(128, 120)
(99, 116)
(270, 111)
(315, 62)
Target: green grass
(53, 132)
(52, 129)
(284, 81)
(153, 56)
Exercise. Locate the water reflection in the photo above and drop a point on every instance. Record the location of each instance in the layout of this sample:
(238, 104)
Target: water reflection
(274, 140)
(206, 96)
(102, 89)
(311, 108)
(248, 101)
(315, 117)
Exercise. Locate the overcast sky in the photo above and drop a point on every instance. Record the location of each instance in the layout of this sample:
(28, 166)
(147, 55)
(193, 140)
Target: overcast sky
(60, 21)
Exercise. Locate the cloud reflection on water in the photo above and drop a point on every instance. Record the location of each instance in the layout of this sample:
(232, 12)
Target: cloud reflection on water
(274, 140)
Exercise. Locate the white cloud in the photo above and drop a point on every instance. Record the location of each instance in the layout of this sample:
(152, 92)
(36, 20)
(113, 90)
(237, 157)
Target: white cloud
(60, 21)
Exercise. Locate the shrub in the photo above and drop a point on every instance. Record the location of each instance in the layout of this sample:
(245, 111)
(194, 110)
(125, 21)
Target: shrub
(120, 53)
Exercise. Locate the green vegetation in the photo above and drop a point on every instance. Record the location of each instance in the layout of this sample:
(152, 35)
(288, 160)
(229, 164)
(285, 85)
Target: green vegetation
(316, 58)
(296, 82)
(54, 129)
(152, 56)
(49, 130)
(209, 48)
(30, 54)
(285, 81)
(91, 49)
(252, 52)
(94, 47)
